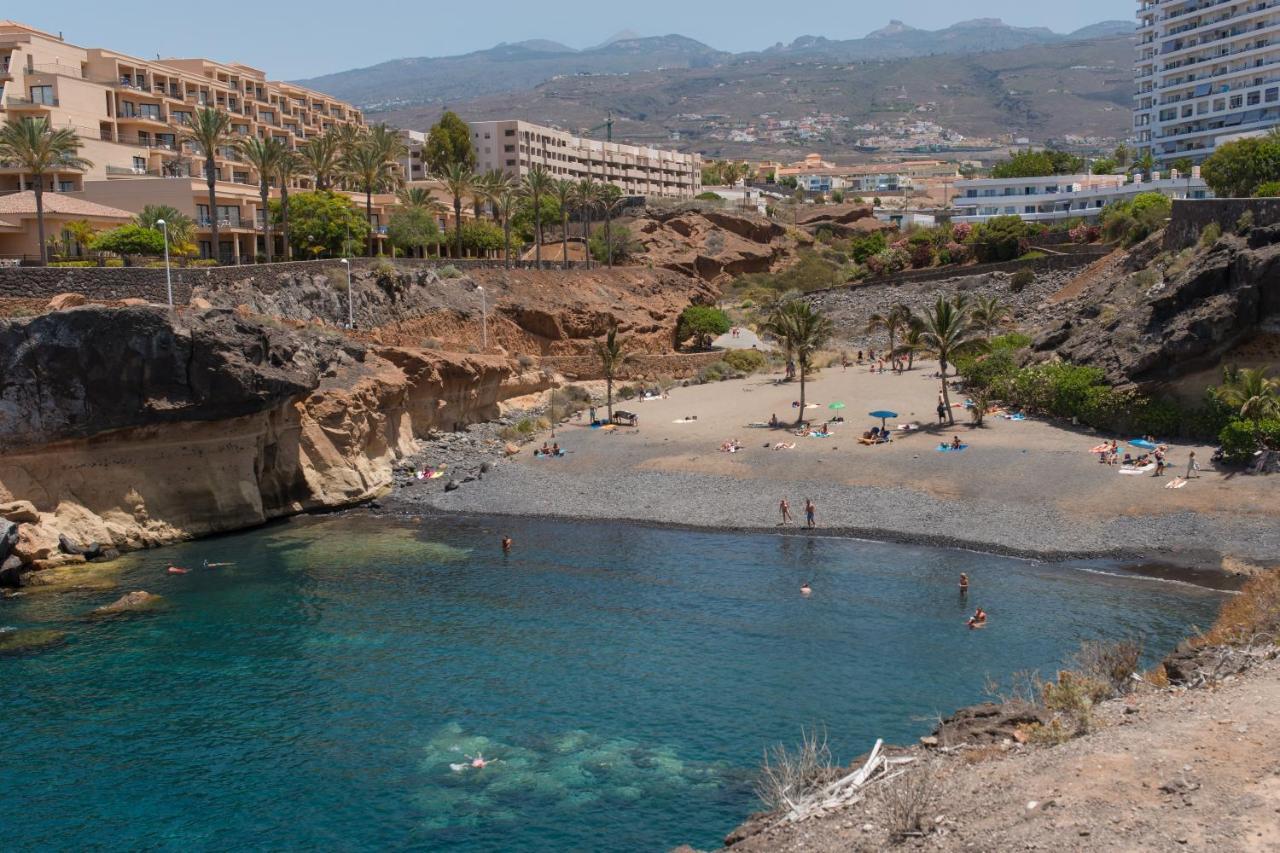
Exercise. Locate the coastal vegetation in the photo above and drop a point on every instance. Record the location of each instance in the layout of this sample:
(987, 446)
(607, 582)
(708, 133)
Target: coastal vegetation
(613, 354)
(802, 332)
(36, 149)
(702, 323)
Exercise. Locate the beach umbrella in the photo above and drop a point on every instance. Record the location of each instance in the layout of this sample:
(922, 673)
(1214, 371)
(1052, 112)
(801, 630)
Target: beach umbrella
(835, 407)
(1143, 443)
(884, 416)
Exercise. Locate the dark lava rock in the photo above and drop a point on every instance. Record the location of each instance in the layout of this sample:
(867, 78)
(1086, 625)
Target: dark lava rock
(83, 371)
(8, 538)
(67, 546)
(452, 486)
(988, 723)
(106, 555)
(11, 571)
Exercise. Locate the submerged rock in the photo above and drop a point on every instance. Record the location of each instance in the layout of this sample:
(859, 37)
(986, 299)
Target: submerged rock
(140, 601)
(29, 640)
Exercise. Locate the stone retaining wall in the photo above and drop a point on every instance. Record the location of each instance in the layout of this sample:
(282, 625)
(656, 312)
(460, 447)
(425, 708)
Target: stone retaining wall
(1050, 263)
(1191, 216)
(113, 283)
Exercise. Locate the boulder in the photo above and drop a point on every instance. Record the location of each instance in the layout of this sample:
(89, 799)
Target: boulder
(452, 486)
(988, 723)
(11, 569)
(66, 300)
(19, 512)
(8, 538)
(35, 542)
(29, 640)
(140, 601)
(133, 302)
(200, 304)
(68, 547)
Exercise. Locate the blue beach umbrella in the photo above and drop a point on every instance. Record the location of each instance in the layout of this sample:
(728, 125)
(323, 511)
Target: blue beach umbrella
(1144, 444)
(883, 416)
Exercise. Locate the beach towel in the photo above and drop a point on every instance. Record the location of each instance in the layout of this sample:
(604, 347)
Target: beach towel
(946, 448)
(686, 421)
(1018, 417)
(1101, 448)
(1132, 471)
(1175, 483)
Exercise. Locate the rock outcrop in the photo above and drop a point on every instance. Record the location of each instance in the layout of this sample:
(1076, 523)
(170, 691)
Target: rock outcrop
(1158, 318)
(714, 246)
(140, 601)
(134, 427)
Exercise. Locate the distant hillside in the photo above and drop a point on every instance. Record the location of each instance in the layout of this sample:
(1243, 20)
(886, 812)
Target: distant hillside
(507, 68)
(1041, 91)
(521, 67)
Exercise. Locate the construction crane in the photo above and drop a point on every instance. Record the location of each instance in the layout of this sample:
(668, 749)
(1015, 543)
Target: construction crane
(607, 127)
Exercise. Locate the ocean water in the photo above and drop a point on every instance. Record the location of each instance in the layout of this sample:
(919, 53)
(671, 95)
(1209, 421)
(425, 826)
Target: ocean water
(327, 690)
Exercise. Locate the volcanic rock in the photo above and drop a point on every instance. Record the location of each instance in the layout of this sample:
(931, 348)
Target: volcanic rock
(140, 601)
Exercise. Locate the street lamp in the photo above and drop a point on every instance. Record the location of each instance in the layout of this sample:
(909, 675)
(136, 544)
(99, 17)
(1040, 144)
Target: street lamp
(168, 276)
(484, 318)
(351, 312)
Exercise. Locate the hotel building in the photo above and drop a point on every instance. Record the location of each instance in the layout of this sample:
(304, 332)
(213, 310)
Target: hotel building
(129, 114)
(1058, 198)
(1206, 69)
(516, 146)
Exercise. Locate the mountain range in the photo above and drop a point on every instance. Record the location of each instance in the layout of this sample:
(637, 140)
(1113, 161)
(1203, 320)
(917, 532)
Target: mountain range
(523, 66)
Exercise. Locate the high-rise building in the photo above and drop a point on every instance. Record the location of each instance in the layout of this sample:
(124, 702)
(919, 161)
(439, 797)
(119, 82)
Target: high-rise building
(130, 113)
(516, 146)
(1206, 70)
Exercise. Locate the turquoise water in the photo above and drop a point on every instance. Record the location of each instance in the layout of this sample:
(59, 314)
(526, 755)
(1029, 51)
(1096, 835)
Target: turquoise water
(317, 694)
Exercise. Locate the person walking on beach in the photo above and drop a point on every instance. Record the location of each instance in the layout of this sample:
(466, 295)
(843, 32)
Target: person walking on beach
(785, 508)
(942, 412)
(810, 514)
(1159, 457)
(1193, 467)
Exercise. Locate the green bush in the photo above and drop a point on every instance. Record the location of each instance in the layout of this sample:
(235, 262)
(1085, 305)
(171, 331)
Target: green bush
(702, 323)
(1210, 235)
(1002, 238)
(1134, 220)
(716, 372)
(1241, 439)
(1011, 341)
(628, 392)
(1267, 189)
(745, 360)
(1021, 280)
(1033, 255)
(73, 264)
(1245, 222)
(449, 271)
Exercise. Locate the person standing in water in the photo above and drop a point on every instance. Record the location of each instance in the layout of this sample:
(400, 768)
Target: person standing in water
(785, 508)
(964, 584)
(506, 544)
(805, 589)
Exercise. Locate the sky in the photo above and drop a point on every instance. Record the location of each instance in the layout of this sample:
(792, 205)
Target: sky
(290, 39)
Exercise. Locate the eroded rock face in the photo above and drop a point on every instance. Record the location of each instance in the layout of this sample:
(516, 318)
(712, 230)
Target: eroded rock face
(90, 370)
(1148, 326)
(988, 723)
(716, 245)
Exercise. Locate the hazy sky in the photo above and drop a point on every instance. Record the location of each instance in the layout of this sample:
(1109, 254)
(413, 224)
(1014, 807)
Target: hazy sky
(291, 39)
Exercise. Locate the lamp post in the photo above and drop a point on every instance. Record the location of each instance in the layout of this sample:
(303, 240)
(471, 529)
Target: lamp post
(484, 318)
(168, 276)
(351, 311)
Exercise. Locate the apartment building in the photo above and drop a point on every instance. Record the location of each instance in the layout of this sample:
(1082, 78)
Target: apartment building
(516, 146)
(1061, 197)
(130, 112)
(1205, 69)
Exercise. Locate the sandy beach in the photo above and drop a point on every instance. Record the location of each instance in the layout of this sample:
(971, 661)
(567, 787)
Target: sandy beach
(1028, 487)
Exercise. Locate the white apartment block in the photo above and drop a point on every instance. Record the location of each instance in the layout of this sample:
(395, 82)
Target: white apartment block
(516, 146)
(1061, 197)
(1206, 69)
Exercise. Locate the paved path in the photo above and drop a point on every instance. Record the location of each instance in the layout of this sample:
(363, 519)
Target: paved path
(746, 339)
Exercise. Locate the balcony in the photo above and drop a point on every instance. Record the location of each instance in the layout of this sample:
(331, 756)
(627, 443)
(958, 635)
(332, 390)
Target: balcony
(132, 172)
(15, 103)
(206, 222)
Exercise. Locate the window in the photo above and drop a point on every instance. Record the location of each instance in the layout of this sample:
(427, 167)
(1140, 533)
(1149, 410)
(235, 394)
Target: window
(139, 164)
(43, 95)
(1237, 101)
(1273, 95)
(1255, 98)
(66, 186)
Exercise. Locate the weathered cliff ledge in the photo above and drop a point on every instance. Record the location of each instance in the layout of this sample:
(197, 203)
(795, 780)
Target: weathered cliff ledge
(130, 428)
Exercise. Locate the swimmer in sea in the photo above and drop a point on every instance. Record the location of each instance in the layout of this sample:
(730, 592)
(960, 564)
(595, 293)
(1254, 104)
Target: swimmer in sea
(506, 544)
(176, 570)
(805, 589)
(978, 619)
(206, 564)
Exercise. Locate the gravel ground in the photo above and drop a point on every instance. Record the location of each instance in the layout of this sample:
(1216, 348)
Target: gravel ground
(881, 513)
(1026, 488)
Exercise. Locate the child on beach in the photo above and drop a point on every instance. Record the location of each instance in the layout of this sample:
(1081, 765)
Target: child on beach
(810, 514)
(785, 508)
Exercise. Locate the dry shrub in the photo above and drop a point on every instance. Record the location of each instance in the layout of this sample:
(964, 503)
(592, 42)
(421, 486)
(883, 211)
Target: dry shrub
(1158, 677)
(1072, 697)
(1053, 734)
(907, 800)
(789, 775)
(1252, 616)
(1110, 664)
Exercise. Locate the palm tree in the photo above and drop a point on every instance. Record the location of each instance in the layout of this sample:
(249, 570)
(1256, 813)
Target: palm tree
(613, 354)
(989, 314)
(368, 168)
(286, 170)
(506, 205)
(946, 332)
(459, 181)
(264, 156)
(564, 191)
(181, 228)
(588, 196)
(1251, 392)
(210, 129)
(611, 201)
(535, 185)
(912, 343)
(420, 198)
(897, 318)
(322, 157)
(36, 148)
(500, 190)
(803, 331)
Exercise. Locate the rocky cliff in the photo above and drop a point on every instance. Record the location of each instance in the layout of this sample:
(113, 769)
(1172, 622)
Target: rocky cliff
(128, 428)
(1156, 317)
(713, 245)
